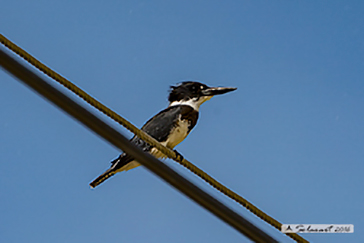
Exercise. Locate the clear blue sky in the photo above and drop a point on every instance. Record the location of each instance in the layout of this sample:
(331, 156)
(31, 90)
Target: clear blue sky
(290, 139)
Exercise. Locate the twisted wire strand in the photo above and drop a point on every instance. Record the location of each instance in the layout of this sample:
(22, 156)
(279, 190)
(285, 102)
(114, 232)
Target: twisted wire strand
(144, 136)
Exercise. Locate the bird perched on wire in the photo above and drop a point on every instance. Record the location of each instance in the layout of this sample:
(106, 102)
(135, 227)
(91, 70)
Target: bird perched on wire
(170, 126)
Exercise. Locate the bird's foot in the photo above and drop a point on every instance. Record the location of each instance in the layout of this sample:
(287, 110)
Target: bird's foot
(179, 156)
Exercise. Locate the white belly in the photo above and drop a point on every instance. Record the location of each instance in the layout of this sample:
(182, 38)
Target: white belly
(178, 134)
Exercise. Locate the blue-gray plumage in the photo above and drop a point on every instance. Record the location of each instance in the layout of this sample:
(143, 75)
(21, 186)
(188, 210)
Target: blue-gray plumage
(170, 126)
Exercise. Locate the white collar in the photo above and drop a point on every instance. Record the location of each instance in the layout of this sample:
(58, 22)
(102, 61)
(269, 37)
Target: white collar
(194, 102)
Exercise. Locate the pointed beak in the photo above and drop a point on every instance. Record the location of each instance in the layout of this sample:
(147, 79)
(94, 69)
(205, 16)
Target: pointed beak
(217, 91)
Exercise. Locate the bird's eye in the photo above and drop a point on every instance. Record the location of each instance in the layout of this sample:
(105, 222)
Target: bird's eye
(201, 87)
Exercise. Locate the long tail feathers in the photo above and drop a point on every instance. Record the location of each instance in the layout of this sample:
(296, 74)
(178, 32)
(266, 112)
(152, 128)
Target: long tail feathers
(121, 163)
(104, 176)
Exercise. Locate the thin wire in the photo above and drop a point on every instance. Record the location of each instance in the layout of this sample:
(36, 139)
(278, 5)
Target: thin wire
(141, 134)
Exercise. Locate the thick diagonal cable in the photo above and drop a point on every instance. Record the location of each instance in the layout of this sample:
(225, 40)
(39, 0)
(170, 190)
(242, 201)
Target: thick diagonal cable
(141, 134)
(88, 119)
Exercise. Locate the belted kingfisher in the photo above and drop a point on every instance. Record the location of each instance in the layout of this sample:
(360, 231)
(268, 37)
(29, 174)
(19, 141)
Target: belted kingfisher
(170, 126)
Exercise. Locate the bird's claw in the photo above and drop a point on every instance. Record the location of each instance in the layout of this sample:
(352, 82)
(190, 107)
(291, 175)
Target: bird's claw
(179, 156)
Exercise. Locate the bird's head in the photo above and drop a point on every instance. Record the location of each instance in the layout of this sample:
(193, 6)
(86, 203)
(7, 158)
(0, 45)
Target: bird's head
(194, 93)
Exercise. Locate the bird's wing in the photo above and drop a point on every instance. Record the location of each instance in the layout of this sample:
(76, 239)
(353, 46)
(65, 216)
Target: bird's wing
(158, 127)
